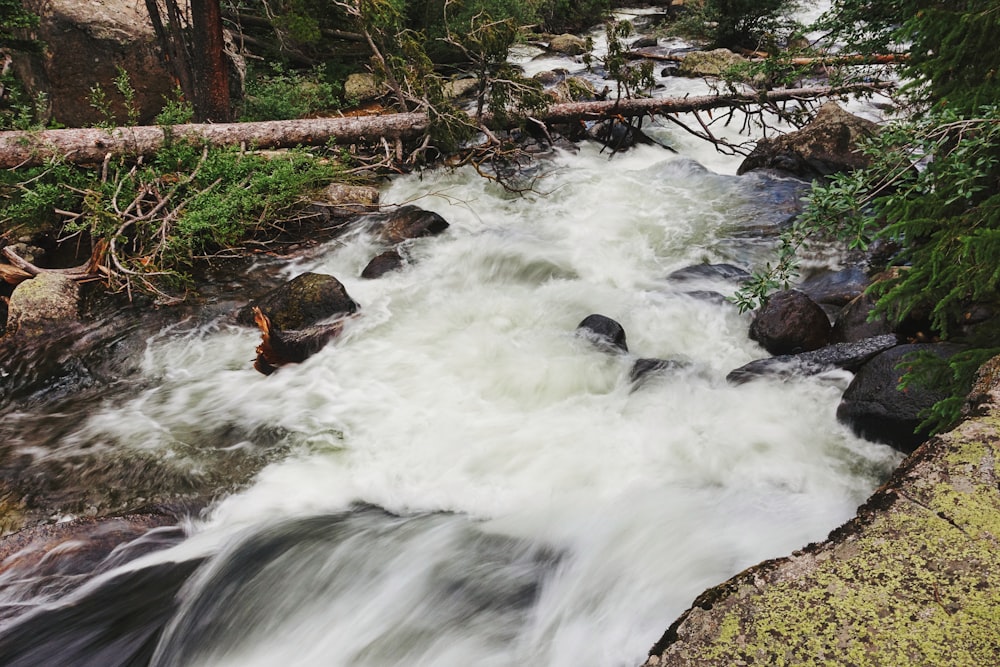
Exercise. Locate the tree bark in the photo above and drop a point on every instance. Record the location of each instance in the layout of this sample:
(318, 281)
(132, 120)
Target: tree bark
(91, 145)
(211, 74)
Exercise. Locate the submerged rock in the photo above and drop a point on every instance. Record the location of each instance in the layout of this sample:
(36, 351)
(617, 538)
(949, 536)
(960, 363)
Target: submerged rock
(388, 261)
(848, 356)
(911, 580)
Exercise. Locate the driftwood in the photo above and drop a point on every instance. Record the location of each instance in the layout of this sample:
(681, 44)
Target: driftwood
(92, 145)
(278, 348)
(21, 269)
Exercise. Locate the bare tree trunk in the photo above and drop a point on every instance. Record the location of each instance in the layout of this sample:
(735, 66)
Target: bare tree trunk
(91, 145)
(211, 74)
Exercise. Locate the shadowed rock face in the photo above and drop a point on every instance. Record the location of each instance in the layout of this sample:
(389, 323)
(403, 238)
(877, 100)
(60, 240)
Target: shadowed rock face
(911, 580)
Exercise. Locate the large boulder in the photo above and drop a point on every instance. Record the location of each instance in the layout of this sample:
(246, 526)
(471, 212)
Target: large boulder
(301, 302)
(827, 145)
(86, 42)
(790, 322)
(567, 44)
(876, 408)
(911, 580)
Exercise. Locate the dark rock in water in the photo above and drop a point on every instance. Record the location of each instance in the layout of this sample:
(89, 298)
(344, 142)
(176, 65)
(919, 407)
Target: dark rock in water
(58, 558)
(827, 145)
(854, 321)
(835, 287)
(603, 331)
(302, 302)
(708, 296)
(618, 135)
(790, 322)
(388, 261)
(117, 623)
(849, 356)
(642, 369)
(876, 409)
(710, 272)
(410, 222)
(643, 42)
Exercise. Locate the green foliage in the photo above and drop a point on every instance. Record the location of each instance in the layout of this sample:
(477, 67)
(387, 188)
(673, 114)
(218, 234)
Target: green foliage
(160, 216)
(739, 24)
(176, 110)
(571, 15)
(630, 77)
(14, 21)
(19, 111)
(105, 106)
(281, 94)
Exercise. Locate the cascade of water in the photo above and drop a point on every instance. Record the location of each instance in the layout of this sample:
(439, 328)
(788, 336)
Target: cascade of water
(467, 480)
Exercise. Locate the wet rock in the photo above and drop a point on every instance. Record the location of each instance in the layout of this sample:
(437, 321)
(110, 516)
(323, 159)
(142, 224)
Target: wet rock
(617, 135)
(603, 332)
(39, 304)
(567, 44)
(643, 42)
(461, 87)
(827, 145)
(874, 406)
(790, 322)
(646, 368)
(409, 222)
(848, 356)
(835, 287)
(710, 273)
(913, 575)
(388, 261)
(572, 89)
(60, 557)
(302, 302)
(855, 322)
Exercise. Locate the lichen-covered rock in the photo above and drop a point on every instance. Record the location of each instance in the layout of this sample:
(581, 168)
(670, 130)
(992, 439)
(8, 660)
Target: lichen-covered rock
(827, 145)
(361, 87)
(344, 200)
(302, 302)
(709, 63)
(47, 300)
(912, 580)
(790, 322)
(569, 45)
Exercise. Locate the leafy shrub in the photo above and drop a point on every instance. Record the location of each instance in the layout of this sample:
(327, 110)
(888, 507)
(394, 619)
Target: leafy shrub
(282, 94)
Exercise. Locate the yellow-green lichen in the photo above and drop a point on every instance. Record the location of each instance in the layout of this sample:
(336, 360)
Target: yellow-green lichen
(919, 585)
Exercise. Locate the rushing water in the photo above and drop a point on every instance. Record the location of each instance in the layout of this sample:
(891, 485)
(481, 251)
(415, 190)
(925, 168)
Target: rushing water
(469, 482)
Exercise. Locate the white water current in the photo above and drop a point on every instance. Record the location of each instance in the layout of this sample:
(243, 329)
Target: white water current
(545, 511)
(468, 481)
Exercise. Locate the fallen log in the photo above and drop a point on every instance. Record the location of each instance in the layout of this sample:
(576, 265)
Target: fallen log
(92, 145)
(836, 59)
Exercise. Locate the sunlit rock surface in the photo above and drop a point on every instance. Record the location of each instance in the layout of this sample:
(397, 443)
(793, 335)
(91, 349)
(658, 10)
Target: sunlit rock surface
(912, 579)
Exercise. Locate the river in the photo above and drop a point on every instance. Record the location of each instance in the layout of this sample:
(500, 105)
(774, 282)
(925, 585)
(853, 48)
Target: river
(467, 481)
